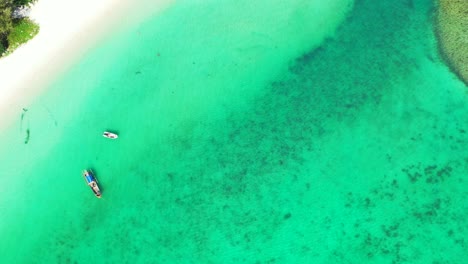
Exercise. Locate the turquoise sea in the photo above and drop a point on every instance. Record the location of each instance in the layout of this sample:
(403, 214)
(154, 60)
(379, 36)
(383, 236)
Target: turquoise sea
(264, 131)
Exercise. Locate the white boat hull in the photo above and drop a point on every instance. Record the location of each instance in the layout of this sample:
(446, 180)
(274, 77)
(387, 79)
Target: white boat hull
(110, 135)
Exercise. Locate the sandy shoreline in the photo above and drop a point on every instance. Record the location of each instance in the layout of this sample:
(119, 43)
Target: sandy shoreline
(68, 28)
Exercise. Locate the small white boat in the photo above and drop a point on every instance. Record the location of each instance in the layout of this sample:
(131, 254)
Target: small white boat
(110, 135)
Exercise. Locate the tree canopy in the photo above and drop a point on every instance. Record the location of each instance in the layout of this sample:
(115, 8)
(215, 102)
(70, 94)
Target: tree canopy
(6, 23)
(22, 2)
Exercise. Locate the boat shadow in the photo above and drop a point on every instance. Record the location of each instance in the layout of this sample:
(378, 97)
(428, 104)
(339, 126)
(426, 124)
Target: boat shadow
(113, 131)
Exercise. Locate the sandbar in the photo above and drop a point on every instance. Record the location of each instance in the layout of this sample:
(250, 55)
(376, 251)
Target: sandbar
(452, 33)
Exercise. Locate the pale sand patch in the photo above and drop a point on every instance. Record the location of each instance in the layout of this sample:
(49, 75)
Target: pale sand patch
(68, 29)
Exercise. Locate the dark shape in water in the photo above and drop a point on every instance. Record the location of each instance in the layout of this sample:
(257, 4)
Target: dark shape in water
(26, 140)
(24, 112)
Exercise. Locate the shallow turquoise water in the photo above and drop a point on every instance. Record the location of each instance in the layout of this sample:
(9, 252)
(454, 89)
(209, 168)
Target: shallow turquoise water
(241, 141)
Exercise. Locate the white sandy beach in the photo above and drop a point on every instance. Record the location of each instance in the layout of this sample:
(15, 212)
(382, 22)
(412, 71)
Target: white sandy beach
(68, 28)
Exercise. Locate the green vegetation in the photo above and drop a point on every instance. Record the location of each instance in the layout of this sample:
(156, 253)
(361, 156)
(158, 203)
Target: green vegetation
(5, 18)
(23, 30)
(2, 49)
(14, 32)
(22, 2)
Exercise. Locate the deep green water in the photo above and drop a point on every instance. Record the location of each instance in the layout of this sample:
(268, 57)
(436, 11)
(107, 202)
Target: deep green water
(250, 132)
